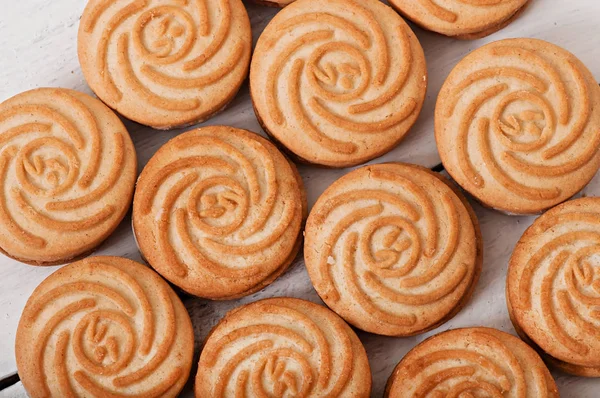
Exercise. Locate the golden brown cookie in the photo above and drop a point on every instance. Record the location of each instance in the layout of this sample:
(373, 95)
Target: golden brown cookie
(553, 286)
(104, 327)
(463, 19)
(218, 212)
(517, 124)
(168, 64)
(338, 82)
(67, 171)
(393, 249)
(283, 347)
(471, 362)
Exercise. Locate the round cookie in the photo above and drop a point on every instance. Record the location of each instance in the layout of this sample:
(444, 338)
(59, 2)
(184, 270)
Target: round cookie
(67, 170)
(337, 82)
(462, 19)
(165, 65)
(393, 249)
(517, 125)
(218, 211)
(553, 286)
(283, 345)
(104, 326)
(468, 362)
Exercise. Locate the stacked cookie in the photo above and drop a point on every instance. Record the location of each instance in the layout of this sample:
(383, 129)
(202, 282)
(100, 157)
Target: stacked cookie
(393, 249)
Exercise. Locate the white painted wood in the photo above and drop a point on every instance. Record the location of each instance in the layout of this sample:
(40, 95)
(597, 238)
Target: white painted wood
(38, 48)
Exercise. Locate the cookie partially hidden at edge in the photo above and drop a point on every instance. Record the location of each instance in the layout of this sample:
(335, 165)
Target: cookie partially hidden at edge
(67, 171)
(553, 286)
(104, 326)
(283, 345)
(165, 65)
(393, 249)
(463, 362)
(218, 212)
(337, 82)
(471, 19)
(517, 125)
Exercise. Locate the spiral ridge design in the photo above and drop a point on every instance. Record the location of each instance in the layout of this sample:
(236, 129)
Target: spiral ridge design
(553, 283)
(471, 362)
(165, 63)
(349, 75)
(67, 170)
(218, 212)
(392, 249)
(517, 121)
(282, 347)
(104, 326)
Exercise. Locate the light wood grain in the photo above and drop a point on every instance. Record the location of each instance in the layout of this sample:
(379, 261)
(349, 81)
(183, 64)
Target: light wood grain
(38, 48)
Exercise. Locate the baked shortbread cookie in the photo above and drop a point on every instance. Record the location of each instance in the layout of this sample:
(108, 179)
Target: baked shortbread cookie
(165, 64)
(218, 211)
(517, 124)
(553, 286)
(393, 249)
(471, 362)
(67, 170)
(283, 347)
(463, 19)
(337, 82)
(104, 327)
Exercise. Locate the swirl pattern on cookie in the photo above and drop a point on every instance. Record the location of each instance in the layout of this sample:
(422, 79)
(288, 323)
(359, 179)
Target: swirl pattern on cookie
(338, 82)
(104, 326)
(218, 212)
(393, 249)
(553, 285)
(471, 362)
(517, 125)
(462, 18)
(165, 63)
(67, 171)
(283, 347)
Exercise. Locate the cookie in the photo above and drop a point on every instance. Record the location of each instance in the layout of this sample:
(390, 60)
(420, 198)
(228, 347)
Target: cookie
(165, 65)
(218, 211)
(337, 82)
(283, 347)
(471, 362)
(517, 125)
(393, 249)
(553, 286)
(67, 171)
(104, 326)
(471, 19)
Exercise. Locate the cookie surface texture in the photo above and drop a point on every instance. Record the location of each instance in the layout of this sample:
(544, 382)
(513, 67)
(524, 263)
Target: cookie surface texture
(67, 170)
(218, 212)
(517, 124)
(337, 82)
(393, 249)
(104, 326)
(459, 18)
(553, 286)
(283, 347)
(471, 362)
(165, 64)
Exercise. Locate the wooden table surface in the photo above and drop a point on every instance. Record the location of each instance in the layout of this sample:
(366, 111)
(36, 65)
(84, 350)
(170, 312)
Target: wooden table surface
(38, 48)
